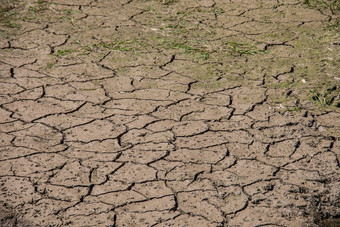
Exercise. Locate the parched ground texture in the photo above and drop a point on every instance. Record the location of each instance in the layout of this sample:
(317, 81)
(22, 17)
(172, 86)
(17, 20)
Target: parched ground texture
(169, 113)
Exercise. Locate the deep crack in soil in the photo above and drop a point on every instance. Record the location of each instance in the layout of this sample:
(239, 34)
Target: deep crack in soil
(169, 113)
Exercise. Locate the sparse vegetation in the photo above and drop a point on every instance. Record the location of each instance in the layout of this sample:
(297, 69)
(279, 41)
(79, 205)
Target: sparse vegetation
(178, 32)
(332, 5)
(202, 53)
(39, 6)
(167, 2)
(294, 109)
(127, 45)
(327, 97)
(12, 24)
(64, 52)
(241, 48)
(7, 17)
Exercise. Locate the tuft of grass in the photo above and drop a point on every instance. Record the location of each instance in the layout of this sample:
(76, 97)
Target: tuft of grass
(167, 2)
(36, 9)
(5, 10)
(326, 97)
(67, 18)
(332, 5)
(241, 48)
(64, 52)
(12, 24)
(169, 43)
(294, 109)
(124, 46)
(6, 14)
(203, 54)
(40, 2)
(69, 11)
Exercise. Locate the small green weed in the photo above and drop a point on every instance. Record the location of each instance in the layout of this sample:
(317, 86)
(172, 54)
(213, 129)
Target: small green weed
(326, 98)
(83, 49)
(64, 52)
(35, 9)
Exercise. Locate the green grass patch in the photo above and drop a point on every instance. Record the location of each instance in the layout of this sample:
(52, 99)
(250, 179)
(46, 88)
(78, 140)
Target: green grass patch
(65, 52)
(202, 53)
(241, 48)
(36, 9)
(294, 109)
(12, 24)
(332, 5)
(326, 97)
(167, 2)
(127, 45)
(5, 10)
(40, 2)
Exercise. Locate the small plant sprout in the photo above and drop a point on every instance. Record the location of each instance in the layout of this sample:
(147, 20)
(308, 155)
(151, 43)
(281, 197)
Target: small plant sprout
(325, 98)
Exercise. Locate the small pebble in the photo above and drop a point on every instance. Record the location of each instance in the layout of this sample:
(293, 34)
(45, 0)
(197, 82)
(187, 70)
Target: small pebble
(304, 81)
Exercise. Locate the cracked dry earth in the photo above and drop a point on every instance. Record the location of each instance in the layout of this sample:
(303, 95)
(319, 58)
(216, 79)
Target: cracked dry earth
(168, 113)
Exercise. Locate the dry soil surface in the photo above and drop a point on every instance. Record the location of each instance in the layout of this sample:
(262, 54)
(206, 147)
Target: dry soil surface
(169, 113)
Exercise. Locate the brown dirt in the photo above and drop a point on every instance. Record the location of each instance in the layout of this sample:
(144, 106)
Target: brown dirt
(169, 113)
